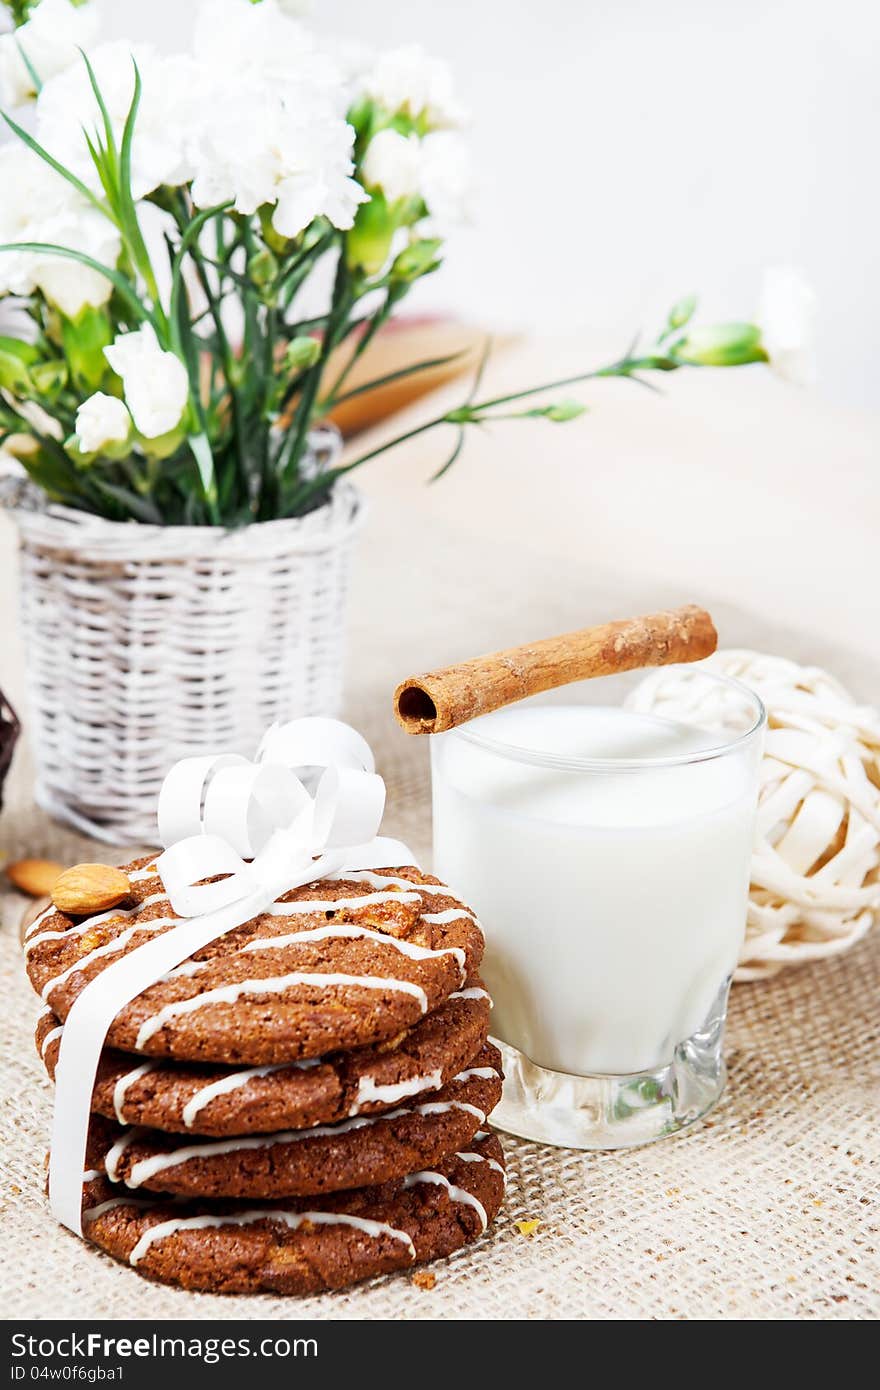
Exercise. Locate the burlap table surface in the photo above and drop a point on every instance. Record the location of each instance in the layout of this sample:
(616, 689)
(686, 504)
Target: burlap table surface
(768, 1210)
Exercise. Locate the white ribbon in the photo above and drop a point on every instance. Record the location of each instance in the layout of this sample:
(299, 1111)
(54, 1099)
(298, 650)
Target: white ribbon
(260, 825)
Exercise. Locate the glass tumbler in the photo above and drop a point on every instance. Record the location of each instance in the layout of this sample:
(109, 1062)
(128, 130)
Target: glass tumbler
(603, 833)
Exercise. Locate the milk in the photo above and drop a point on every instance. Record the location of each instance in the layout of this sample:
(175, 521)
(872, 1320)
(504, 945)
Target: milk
(613, 902)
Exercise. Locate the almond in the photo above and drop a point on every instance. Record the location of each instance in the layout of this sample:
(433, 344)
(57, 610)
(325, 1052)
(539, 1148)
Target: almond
(88, 888)
(34, 876)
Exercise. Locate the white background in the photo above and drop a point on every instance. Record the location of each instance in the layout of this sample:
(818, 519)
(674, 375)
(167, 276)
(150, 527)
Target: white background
(629, 151)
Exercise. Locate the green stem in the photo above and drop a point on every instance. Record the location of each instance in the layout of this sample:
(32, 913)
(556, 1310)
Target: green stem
(471, 413)
(374, 323)
(226, 353)
(340, 308)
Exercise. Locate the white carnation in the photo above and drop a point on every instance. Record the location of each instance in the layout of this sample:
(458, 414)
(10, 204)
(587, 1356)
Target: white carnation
(393, 163)
(51, 39)
(173, 100)
(282, 152)
(155, 382)
(274, 131)
(239, 41)
(407, 80)
(446, 179)
(39, 206)
(102, 420)
(787, 319)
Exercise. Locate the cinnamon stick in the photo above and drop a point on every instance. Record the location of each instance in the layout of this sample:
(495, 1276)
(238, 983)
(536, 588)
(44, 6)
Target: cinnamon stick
(440, 700)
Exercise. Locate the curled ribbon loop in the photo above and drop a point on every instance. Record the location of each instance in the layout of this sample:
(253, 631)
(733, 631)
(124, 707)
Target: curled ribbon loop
(258, 830)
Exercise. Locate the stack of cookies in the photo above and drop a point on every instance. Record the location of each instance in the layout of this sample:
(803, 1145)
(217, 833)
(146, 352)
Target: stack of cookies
(300, 1105)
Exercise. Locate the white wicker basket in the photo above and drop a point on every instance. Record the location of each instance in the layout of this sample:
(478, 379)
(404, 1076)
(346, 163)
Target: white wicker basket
(148, 643)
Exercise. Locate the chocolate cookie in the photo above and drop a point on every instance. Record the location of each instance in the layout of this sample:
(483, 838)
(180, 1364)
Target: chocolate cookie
(360, 1152)
(335, 964)
(302, 1246)
(187, 1098)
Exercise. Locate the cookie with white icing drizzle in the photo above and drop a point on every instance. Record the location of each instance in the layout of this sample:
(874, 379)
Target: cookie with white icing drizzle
(186, 1098)
(335, 964)
(302, 1245)
(359, 1152)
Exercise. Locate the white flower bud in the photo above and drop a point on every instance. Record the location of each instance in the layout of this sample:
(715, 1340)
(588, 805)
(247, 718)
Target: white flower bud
(155, 382)
(406, 80)
(393, 163)
(787, 320)
(102, 420)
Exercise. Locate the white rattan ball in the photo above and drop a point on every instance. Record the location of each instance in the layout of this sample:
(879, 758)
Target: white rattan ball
(815, 887)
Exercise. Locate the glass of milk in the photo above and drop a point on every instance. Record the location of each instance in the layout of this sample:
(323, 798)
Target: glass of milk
(606, 849)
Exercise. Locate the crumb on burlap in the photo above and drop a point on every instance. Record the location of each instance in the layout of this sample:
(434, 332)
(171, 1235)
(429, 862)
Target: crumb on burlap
(424, 1279)
(527, 1228)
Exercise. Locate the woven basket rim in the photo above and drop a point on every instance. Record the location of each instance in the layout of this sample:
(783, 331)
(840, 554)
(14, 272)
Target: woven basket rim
(68, 524)
(54, 526)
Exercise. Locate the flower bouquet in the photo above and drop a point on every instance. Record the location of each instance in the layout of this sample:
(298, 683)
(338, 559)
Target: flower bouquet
(186, 242)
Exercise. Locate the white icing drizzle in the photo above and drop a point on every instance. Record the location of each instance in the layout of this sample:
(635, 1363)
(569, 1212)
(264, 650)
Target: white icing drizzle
(456, 1194)
(228, 994)
(184, 971)
(109, 948)
(309, 906)
(293, 1220)
(473, 993)
(44, 915)
(484, 1158)
(91, 1173)
(450, 914)
(437, 1107)
(122, 1085)
(113, 1155)
(148, 1167)
(138, 875)
(92, 1213)
(368, 1091)
(79, 928)
(196, 1104)
(439, 890)
(486, 1073)
(352, 931)
(49, 1038)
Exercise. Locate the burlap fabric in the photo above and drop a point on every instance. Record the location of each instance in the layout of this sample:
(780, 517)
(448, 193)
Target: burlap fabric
(768, 1210)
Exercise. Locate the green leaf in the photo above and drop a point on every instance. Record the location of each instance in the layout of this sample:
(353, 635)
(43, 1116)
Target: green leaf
(111, 152)
(116, 278)
(417, 259)
(26, 352)
(84, 340)
(59, 168)
(427, 365)
(187, 242)
(201, 452)
(14, 375)
(559, 413)
(31, 70)
(459, 445)
(140, 507)
(49, 378)
(128, 135)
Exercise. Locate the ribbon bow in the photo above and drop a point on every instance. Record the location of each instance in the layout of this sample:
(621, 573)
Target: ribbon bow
(261, 826)
(218, 813)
